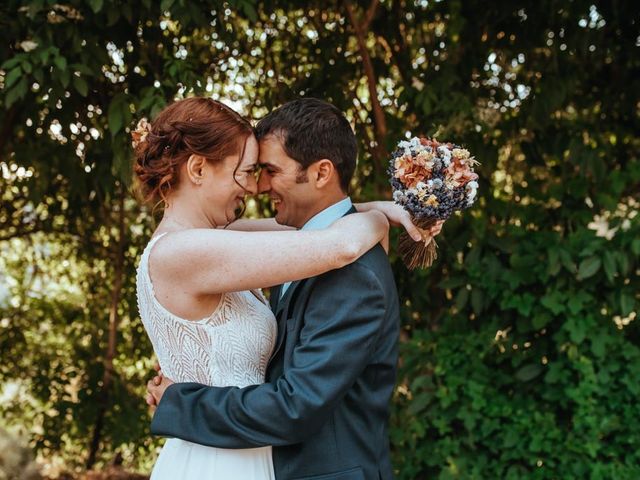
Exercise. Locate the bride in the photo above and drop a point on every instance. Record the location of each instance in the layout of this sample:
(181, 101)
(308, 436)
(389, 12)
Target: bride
(199, 277)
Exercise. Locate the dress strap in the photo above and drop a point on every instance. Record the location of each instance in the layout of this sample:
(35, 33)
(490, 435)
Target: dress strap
(147, 251)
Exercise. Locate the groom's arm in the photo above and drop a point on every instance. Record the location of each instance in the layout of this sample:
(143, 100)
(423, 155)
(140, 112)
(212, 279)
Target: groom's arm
(256, 225)
(341, 324)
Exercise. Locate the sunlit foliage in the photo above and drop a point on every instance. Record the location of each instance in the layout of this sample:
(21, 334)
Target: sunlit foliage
(520, 348)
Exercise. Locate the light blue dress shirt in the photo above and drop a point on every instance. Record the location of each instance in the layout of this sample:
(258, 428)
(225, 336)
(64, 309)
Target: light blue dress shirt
(322, 220)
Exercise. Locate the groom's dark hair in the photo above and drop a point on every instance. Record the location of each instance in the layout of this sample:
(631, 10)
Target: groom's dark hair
(310, 130)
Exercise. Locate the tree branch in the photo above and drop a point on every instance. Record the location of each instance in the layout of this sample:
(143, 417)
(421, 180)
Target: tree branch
(114, 320)
(379, 120)
(371, 12)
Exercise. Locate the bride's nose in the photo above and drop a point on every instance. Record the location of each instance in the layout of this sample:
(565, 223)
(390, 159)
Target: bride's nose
(252, 186)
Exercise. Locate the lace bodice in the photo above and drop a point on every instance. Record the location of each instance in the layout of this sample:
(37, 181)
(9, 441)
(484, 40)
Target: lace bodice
(230, 347)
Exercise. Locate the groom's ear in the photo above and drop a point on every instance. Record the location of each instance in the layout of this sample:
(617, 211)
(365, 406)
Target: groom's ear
(322, 172)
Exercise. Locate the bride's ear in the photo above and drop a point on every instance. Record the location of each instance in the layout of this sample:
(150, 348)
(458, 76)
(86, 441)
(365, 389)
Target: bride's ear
(195, 168)
(322, 172)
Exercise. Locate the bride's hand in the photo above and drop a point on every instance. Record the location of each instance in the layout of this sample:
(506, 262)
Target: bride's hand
(436, 228)
(396, 215)
(399, 217)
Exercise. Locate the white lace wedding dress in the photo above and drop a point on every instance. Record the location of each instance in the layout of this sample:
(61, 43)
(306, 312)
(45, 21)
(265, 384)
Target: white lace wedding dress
(229, 347)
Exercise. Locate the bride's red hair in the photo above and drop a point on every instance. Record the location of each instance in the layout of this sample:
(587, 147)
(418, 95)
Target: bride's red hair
(200, 126)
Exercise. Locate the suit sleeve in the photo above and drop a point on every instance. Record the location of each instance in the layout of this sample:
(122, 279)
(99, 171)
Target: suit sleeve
(341, 324)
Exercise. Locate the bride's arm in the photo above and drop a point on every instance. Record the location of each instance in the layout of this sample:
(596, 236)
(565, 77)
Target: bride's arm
(211, 261)
(396, 215)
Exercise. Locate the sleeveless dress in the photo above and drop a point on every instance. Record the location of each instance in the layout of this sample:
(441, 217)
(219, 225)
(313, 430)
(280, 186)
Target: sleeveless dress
(230, 347)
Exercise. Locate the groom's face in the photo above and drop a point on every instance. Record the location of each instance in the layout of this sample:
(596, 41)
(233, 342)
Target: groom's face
(286, 182)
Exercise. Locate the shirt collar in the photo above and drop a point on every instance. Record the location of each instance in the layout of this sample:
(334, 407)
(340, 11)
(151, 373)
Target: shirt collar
(329, 215)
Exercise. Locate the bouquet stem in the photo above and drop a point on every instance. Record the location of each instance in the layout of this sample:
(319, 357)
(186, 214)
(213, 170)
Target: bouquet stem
(419, 254)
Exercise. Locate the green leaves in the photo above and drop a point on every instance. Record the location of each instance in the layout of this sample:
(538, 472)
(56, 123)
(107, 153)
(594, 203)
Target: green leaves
(623, 261)
(115, 117)
(578, 301)
(60, 62)
(554, 264)
(151, 102)
(598, 345)
(12, 77)
(477, 301)
(12, 62)
(577, 328)
(588, 267)
(567, 261)
(247, 7)
(609, 265)
(462, 297)
(540, 320)
(16, 84)
(17, 92)
(523, 303)
(81, 85)
(626, 303)
(554, 301)
(519, 344)
(528, 372)
(119, 113)
(96, 5)
(419, 403)
(165, 5)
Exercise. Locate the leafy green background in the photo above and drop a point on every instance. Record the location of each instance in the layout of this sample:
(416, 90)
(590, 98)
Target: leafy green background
(520, 347)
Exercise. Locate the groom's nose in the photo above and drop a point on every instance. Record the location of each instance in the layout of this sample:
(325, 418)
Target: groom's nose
(264, 182)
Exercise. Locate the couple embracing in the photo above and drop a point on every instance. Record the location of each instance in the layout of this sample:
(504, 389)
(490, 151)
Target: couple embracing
(297, 387)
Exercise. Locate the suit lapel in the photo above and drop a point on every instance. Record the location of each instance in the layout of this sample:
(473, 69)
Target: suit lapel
(280, 305)
(274, 296)
(286, 298)
(350, 211)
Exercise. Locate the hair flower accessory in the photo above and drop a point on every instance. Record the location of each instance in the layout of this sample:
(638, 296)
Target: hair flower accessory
(431, 180)
(139, 135)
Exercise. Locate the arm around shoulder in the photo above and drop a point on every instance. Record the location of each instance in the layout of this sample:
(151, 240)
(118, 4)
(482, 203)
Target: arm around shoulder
(335, 345)
(212, 261)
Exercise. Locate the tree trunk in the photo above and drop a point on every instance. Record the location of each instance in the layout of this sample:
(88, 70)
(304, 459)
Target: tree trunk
(114, 318)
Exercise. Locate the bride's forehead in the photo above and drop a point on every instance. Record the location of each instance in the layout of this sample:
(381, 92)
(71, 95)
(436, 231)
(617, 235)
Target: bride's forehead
(251, 151)
(249, 160)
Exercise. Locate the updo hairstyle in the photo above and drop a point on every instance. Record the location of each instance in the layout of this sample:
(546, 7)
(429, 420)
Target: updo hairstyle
(200, 126)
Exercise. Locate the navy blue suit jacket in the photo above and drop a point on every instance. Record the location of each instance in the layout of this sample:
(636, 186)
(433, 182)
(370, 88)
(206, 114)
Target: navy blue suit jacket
(325, 404)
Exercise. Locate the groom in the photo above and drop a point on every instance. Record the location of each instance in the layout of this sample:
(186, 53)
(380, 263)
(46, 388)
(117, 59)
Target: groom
(324, 406)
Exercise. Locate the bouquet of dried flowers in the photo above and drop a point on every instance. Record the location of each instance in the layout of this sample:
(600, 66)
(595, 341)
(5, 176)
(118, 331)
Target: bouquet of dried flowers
(431, 180)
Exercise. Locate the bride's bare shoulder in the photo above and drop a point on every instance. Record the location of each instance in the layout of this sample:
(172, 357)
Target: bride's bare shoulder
(168, 248)
(179, 248)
